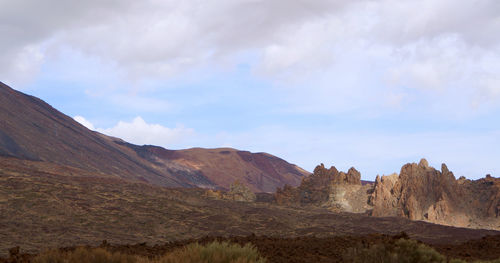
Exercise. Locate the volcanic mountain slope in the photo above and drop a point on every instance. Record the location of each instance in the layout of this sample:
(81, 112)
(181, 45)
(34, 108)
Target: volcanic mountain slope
(419, 192)
(30, 129)
(261, 172)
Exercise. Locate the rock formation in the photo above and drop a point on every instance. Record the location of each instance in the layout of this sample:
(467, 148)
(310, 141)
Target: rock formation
(328, 188)
(419, 192)
(237, 192)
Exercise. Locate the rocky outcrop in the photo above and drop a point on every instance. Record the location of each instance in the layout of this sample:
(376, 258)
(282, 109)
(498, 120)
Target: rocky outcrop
(421, 192)
(327, 188)
(237, 192)
(322, 176)
(418, 192)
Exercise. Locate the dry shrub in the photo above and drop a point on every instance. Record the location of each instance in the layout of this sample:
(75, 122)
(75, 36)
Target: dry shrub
(214, 252)
(194, 253)
(83, 255)
(463, 261)
(401, 251)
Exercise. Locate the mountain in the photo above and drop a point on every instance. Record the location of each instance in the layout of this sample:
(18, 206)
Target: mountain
(419, 192)
(31, 129)
(261, 172)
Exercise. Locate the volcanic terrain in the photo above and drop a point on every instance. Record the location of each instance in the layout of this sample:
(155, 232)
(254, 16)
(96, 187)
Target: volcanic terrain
(54, 206)
(63, 185)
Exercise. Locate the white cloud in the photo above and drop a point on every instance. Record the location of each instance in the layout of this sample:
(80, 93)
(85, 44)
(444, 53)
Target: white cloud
(442, 48)
(361, 57)
(24, 64)
(140, 132)
(84, 122)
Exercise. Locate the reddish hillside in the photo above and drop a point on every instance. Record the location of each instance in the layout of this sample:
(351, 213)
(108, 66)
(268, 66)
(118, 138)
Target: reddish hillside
(261, 172)
(31, 129)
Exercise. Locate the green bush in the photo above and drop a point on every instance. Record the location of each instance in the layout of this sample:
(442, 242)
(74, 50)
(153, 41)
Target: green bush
(214, 253)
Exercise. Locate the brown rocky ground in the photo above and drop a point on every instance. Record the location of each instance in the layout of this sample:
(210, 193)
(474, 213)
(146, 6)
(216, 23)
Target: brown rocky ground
(43, 209)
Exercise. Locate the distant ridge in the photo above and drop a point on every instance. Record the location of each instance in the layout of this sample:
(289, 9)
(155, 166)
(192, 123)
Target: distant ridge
(31, 129)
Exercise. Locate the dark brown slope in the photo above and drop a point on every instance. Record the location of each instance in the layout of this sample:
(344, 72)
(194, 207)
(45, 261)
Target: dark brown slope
(31, 129)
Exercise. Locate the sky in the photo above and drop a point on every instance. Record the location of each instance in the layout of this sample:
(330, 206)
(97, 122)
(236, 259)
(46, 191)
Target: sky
(372, 84)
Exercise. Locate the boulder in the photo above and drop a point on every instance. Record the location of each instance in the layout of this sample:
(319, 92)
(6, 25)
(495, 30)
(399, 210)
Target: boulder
(237, 192)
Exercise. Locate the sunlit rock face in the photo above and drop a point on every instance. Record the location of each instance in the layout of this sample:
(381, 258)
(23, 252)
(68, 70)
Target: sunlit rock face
(421, 192)
(418, 192)
(328, 188)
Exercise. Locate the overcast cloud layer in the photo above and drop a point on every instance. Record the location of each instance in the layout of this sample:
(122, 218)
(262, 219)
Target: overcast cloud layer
(433, 63)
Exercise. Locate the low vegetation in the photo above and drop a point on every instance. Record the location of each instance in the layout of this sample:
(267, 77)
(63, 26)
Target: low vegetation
(253, 249)
(84, 255)
(463, 261)
(214, 252)
(401, 251)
